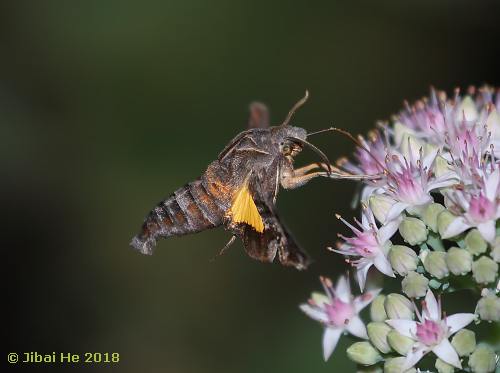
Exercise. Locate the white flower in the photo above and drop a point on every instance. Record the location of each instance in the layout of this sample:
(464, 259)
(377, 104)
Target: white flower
(410, 182)
(431, 332)
(493, 126)
(369, 243)
(481, 207)
(338, 311)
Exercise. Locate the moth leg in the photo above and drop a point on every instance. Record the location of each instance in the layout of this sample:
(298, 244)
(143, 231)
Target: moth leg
(305, 169)
(289, 180)
(226, 246)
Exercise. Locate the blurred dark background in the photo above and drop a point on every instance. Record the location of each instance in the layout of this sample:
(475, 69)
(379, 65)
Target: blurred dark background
(106, 107)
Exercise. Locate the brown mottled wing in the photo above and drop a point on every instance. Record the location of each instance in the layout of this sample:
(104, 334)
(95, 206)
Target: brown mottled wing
(232, 144)
(275, 239)
(258, 118)
(259, 115)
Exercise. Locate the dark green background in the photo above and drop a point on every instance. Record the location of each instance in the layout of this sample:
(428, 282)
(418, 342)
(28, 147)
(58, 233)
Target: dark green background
(108, 106)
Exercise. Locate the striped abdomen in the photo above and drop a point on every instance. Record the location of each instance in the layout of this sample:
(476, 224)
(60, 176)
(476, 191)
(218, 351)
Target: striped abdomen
(192, 208)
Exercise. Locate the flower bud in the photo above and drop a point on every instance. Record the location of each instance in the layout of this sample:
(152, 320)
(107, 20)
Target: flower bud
(444, 219)
(319, 299)
(400, 130)
(466, 110)
(430, 215)
(403, 259)
(372, 369)
(435, 264)
(459, 261)
(380, 204)
(399, 342)
(464, 342)
(377, 310)
(395, 365)
(441, 167)
(363, 353)
(377, 332)
(493, 123)
(415, 285)
(443, 367)
(475, 243)
(410, 146)
(495, 250)
(413, 231)
(397, 306)
(483, 359)
(484, 270)
(488, 307)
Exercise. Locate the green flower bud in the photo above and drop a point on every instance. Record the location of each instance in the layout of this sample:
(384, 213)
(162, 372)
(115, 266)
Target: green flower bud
(399, 343)
(413, 231)
(483, 359)
(415, 285)
(484, 270)
(459, 261)
(445, 218)
(400, 130)
(488, 307)
(372, 369)
(430, 215)
(377, 310)
(475, 243)
(395, 365)
(380, 204)
(493, 123)
(495, 250)
(435, 264)
(403, 259)
(363, 353)
(443, 367)
(441, 167)
(411, 143)
(468, 109)
(377, 332)
(319, 298)
(397, 306)
(464, 342)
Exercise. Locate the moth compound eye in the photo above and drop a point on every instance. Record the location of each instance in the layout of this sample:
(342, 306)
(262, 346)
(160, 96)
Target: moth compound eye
(286, 149)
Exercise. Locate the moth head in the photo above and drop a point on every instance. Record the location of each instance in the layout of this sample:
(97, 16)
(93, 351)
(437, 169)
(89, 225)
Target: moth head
(291, 140)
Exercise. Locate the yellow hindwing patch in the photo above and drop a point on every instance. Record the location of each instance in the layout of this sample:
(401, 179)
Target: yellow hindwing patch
(243, 210)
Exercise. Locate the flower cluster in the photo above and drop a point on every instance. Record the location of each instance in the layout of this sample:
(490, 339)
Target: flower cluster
(430, 219)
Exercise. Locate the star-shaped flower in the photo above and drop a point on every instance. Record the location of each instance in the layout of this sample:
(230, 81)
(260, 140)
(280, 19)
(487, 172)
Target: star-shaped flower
(431, 332)
(480, 206)
(338, 311)
(410, 182)
(370, 244)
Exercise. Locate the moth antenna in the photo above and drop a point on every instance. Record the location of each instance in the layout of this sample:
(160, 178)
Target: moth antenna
(295, 107)
(349, 135)
(321, 131)
(358, 143)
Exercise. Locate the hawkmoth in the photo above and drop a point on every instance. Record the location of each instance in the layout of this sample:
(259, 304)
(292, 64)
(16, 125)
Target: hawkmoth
(238, 191)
